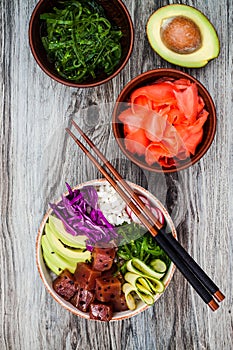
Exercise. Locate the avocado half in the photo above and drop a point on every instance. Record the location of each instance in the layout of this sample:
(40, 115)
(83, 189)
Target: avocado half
(207, 50)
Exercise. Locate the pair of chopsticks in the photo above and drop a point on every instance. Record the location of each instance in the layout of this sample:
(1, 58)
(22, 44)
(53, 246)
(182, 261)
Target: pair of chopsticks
(193, 273)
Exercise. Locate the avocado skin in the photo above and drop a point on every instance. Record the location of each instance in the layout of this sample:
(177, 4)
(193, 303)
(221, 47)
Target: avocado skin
(210, 43)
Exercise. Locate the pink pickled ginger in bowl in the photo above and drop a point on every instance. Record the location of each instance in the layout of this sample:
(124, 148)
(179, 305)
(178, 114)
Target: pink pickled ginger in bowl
(164, 120)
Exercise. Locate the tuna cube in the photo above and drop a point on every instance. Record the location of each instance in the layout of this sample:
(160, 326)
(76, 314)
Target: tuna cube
(100, 312)
(119, 303)
(111, 272)
(85, 276)
(103, 258)
(82, 299)
(107, 289)
(64, 285)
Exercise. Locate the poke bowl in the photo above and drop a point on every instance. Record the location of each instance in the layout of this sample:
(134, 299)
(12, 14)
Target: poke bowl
(113, 271)
(164, 120)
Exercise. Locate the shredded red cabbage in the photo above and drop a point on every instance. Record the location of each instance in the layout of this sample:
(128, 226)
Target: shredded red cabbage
(80, 215)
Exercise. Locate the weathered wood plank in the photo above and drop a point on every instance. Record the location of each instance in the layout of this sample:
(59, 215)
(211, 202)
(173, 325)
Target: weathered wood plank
(37, 158)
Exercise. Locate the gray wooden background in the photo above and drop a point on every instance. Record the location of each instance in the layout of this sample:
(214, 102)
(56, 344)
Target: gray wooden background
(36, 158)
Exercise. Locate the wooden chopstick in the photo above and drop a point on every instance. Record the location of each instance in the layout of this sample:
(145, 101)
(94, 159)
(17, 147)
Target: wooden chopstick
(159, 236)
(190, 262)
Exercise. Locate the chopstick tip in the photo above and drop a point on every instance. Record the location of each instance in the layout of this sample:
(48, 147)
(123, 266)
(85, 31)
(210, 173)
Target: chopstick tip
(213, 305)
(77, 127)
(219, 296)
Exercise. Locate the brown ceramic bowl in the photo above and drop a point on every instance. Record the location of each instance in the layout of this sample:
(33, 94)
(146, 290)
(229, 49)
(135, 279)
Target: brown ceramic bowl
(150, 77)
(117, 14)
(47, 277)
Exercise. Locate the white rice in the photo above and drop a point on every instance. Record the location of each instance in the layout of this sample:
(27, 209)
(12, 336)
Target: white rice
(112, 205)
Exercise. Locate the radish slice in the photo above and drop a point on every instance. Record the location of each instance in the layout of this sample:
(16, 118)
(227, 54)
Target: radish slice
(128, 211)
(155, 211)
(160, 216)
(134, 218)
(131, 214)
(145, 200)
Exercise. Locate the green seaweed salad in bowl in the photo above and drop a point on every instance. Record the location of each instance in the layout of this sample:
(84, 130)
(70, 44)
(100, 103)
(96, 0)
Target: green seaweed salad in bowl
(81, 43)
(96, 259)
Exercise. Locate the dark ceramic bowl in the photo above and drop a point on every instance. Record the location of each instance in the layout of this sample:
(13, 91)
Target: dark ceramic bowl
(150, 77)
(117, 14)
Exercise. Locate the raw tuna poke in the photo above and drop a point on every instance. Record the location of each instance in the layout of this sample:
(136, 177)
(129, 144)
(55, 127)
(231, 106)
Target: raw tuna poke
(100, 257)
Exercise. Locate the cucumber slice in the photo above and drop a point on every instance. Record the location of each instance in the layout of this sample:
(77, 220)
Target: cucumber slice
(143, 289)
(127, 290)
(158, 265)
(139, 267)
(138, 282)
(131, 278)
(130, 301)
(156, 285)
(148, 299)
(146, 283)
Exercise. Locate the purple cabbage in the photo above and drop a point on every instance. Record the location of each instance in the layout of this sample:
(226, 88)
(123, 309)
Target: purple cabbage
(80, 215)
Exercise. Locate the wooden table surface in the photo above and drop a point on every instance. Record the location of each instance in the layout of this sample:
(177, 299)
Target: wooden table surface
(37, 157)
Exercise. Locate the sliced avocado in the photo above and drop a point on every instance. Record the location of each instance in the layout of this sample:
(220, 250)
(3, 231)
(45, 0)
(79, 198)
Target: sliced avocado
(55, 261)
(60, 232)
(52, 267)
(163, 35)
(70, 254)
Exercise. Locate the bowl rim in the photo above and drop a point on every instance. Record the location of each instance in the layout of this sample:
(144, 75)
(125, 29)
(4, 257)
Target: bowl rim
(118, 315)
(192, 160)
(72, 84)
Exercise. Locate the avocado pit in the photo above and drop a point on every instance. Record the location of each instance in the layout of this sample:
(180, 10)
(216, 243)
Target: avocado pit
(181, 35)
